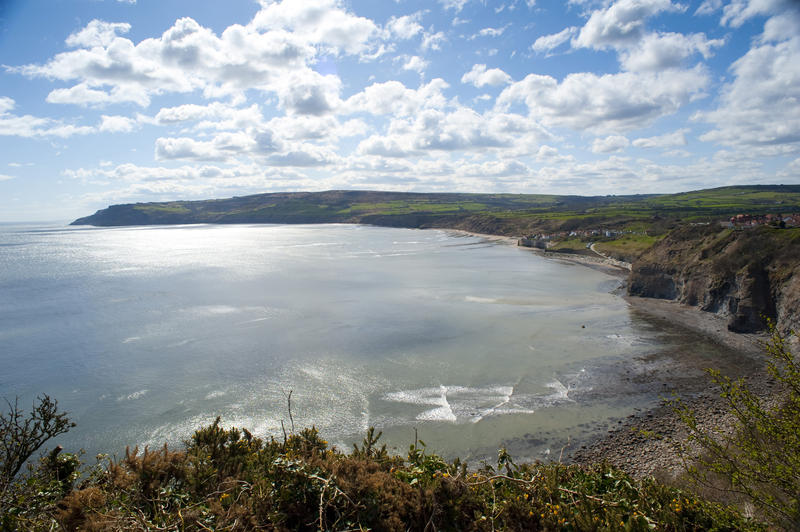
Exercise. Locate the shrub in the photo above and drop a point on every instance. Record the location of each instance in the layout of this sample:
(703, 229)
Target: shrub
(760, 458)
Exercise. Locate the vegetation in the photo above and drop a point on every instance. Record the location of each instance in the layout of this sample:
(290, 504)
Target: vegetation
(627, 247)
(227, 479)
(760, 459)
(508, 214)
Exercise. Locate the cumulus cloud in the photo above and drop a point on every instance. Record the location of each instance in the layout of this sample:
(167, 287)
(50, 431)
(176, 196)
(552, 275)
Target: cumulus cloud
(97, 33)
(708, 7)
(621, 26)
(622, 23)
(758, 108)
(668, 140)
(280, 42)
(405, 27)
(737, 12)
(480, 77)
(433, 41)
(116, 124)
(304, 156)
(610, 144)
(29, 126)
(415, 63)
(612, 102)
(666, 50)
(310, 93)
(394, 98)
(323, 22)
(455, 130)
(545, 43)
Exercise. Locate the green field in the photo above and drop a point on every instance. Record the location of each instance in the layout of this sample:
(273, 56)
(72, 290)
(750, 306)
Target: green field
(503, 214)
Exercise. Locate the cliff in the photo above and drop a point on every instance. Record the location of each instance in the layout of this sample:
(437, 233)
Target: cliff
(744, 275)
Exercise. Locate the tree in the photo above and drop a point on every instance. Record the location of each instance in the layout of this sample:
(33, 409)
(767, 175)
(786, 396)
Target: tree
(22, 435)
(760, 458)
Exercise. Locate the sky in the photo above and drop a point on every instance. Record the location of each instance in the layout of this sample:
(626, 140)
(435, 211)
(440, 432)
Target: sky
(122, 101)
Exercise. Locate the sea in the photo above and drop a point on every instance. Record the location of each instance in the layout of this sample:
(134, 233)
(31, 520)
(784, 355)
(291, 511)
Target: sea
(144, 334)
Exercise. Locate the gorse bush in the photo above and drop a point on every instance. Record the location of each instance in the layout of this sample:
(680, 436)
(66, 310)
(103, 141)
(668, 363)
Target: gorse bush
(759, 459)
(226, 479)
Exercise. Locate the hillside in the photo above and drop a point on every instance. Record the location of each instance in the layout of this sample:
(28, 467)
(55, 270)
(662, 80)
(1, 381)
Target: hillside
(503, 214)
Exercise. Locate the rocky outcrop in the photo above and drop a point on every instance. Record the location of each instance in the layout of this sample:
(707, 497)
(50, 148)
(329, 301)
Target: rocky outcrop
(747, 276)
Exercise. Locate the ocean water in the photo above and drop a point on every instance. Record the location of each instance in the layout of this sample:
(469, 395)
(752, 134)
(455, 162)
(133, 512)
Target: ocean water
(145, 333)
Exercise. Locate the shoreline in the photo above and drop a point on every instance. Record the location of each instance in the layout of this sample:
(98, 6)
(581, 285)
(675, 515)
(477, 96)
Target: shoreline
(627, 446)
(682, 374)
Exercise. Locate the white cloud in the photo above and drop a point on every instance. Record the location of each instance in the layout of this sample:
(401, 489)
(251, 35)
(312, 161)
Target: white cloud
(608, 103)
(480, 77)
(280, 42)
(224, 146)
(758, 109)
(433, 41)
(737, 12)
(310, 93)
(783, 26)
(622, 23)
(708, 7)
(545, 43)
(416, 64)
(322, 22)
(386, 147)
(327, 128)
(405, 27)
(306, 155)
(116, 124)
(610, 144)
(492, 32)
(667, 140)
(83, 94)
(666, 50)
(461, 129)
(32, 127)
(97, 33)
(6, 104)
(394, 98)
(4, 177)
(457, 5)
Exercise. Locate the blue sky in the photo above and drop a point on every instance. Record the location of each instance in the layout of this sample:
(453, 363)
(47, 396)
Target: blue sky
(117, 101)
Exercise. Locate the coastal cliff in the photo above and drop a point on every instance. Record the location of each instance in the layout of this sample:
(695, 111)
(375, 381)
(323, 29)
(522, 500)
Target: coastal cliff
(743, 275)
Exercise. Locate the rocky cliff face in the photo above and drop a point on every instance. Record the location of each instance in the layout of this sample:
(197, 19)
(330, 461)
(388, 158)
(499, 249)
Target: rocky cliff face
(746, 276)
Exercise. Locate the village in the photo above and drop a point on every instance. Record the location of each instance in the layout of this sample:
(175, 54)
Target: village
(744, 221)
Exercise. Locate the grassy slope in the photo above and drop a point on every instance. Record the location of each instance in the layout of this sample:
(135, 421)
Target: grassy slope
(508, 214)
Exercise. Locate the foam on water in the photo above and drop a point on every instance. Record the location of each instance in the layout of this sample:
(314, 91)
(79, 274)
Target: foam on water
(132, 396)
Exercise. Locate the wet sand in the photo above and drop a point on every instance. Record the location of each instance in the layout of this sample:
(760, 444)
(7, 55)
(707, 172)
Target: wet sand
(682, 375)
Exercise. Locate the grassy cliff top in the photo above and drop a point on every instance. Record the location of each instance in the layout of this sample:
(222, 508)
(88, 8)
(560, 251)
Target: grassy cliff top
(509, 214)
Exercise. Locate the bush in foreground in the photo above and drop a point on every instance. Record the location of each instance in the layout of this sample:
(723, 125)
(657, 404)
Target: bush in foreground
(759, 459)
(227, 479)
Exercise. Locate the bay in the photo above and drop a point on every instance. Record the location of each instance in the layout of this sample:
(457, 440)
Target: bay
(146, 333)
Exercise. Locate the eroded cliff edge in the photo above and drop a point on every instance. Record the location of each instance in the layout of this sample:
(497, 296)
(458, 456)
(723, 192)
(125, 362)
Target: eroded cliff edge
(743, 275)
